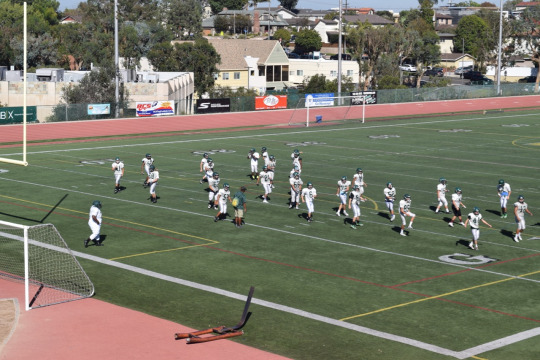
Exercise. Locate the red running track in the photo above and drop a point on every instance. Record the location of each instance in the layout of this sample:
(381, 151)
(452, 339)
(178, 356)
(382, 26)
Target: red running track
(97, 128)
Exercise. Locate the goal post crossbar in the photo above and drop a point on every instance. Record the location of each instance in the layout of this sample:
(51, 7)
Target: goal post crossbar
(331, 107)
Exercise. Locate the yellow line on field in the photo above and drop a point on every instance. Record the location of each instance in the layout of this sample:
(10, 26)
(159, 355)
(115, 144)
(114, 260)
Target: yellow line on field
(157, 252)
(479, 358)
(118, 220)
(437, 296)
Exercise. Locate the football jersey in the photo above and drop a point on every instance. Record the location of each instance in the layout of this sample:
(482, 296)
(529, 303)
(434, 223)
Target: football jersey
(296, 184)
(405, 205)
(309, 194)
(442, 189)
(265, 177)
(355, 196)
(457, 198)
(474, 220)
(154, 175)
(118, 167)
(147, 162)
(213, 183)
(343, 186)
(208, 166)
(359, 179)
(296, 162)
(95, 211)
(224, 195)
(254, 158)
(504, 189)
(521, 208)
(389, 193)
(265, 158)
(271, 165)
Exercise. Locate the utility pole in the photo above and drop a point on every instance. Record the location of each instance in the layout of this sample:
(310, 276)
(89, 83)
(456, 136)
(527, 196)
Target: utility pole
(116, 62)
(500, 51)
(339, 50)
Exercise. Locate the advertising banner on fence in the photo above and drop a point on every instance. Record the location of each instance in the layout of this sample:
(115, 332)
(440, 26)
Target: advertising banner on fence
(155, 108)
(207, 106)
(322, 99)
(270, 102)
(370, 96)
(12, 115)
(99, 109)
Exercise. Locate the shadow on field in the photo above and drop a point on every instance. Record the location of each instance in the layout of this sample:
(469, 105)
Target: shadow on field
(462, 242)
(384, 215)
(494, 212)
(303, 216)
(507, 233)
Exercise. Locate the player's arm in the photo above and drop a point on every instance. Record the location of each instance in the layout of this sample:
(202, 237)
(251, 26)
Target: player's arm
(142, 167)
(467, 222)
(484, 221)
(337, 192)
(217, 199)
(516, 211)
(94, 217)
(463, 205)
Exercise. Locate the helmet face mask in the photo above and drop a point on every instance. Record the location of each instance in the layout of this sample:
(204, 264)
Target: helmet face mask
(458, 190)
(407, 197)
(309, 185)
(442, 181)
(272, 157)
(97, 204)
(215, 175)
(152, 168)
(343, 178)
(148, 156)
(265, 168)
(263, 148)
(521, 198)
(476, 210)
(296, 175)
(389, 185)
(117, 159)
(356, 187)
(359, 170)
(226, 186)
(501, 182)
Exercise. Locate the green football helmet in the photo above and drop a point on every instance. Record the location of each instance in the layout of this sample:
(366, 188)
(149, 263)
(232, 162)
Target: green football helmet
(97, 204)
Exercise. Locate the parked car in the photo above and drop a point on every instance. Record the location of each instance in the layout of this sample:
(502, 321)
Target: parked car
(460, 70)
(483, 81)
(436, 71)
(527, 79)
(293, 56)
(343, 57)
(473, 75)
(407, 67)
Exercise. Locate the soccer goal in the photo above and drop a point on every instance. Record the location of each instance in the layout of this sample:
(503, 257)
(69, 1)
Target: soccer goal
(313, 109)
(39, 256)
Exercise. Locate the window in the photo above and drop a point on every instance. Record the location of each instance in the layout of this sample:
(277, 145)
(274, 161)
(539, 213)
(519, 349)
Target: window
(291, 72)
(349, 73)
(299, 72)
(236, 76)
(225, 76)
(333, 73)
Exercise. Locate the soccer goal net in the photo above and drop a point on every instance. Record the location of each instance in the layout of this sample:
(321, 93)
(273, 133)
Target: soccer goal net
(39, 256)
(315, 109)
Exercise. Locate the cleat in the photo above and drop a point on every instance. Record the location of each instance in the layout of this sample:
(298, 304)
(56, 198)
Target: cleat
(345, 213)
(116, 191)
(471, 246)
(353, 226)
(296, 207)
(216, 219)
(516, 238)
(290, 206)
(338, 214)
(462, 223)
(505, 216)
(451, 224)
(215, 208)
(447, 212)
(392, 217)
(209, 206)
(502, 216)
(436, 211)
(265, 201)
(476, 247)
(409, 227)
(96, 242)
(86, 243)
(402, 234)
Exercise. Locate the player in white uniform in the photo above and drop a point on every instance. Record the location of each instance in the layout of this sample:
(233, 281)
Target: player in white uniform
(202, 167)
(297, 160)
(145, 167)
(213, 188)
(456, 207)
(94, 221)
(358, 179)
(354, 199)
(520, 208)
(118, 169)
(152, 182)
(404, 211)
(389, 197)
(343, 186)
(504, 191)
(208, 170)
(474, 219)
(253, 157)
(441, 196)
(222, 197)
(295, 169)
(264, 154)
(308, 195)
(264, 178)
(271, 168)
(296, 190)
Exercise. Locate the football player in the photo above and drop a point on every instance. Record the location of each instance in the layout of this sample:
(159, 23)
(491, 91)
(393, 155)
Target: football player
(296, 159)
(389, 197)
(354, 200)
(342, 190)
(145, 167)
(208, 170)
(520, 208)
(264, 154)
(264, 178)
(296, 189)
(295, 169)
(309, 194)
(222, 197)
(504, 191)
(213, 188)
(358, 179)
(254, 156)
(474, 218)
(456, 207)
(202, 167)
(404, 211)
(272, 169)
(118, 169)
(441, 196)
(94, 221)
(152, 182)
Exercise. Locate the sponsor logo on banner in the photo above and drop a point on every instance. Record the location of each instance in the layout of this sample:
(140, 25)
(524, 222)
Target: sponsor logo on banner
(206, 106)
(99, 109)
(270, 102)
(322, 99)
(155, 108)
(10, 115)
(370, 96)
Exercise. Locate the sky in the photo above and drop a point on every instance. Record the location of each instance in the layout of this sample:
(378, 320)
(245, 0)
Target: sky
(396, 5)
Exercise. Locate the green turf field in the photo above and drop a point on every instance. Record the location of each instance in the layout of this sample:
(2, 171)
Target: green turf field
(322, 290)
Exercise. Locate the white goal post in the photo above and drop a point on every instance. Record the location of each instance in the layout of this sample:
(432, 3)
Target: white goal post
(329, 108)
(39, 256)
